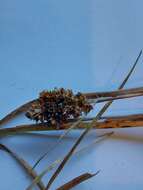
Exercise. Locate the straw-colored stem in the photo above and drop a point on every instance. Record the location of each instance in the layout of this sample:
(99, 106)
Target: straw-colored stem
(24, 165)
(98, 96)
(105, 122)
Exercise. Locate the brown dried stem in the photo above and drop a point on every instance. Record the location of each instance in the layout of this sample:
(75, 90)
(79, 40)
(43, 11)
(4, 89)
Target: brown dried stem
(98, 96)
(98, 116)
(16, 112)
(108, 122)
(54, 164)
(24, 165)
(76, 181)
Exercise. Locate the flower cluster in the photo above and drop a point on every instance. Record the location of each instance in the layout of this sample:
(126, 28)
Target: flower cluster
(58, 106)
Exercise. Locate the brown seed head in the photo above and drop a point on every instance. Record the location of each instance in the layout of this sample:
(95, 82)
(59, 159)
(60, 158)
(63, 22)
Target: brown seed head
(58, 106)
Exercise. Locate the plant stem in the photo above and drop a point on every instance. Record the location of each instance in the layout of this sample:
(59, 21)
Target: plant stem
(98, 96)
(24, 164)
(98, 116)
(105, 122)
(76, 181)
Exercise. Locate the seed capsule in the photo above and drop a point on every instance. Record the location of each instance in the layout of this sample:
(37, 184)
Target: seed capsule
(58, 106)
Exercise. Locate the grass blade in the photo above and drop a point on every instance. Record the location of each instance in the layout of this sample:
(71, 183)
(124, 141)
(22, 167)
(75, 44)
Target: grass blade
(99, 96)
(15, 112)
(135, 120)
(59, 141)
(54, 164)
(76, 181)
(24, 165)
(100, 113)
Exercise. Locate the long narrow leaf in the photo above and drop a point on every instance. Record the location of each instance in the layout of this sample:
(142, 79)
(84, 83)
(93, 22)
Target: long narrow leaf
(59, 141)
(76, 181)
(101, 112)
(54, 164)
(99, 96)
(15, 112)
(24, 165)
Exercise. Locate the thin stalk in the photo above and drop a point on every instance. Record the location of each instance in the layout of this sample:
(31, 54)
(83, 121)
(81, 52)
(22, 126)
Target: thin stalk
(135, 120)
(76, 181)
(98, 116)
(125, 96)
(24, 165)
(16, 112)
(54, 164)
(98, 96)
(59, 141)
(113, 93)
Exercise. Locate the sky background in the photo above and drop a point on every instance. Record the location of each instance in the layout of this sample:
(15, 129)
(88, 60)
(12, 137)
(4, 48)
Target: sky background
(85, 45)
(82, 45)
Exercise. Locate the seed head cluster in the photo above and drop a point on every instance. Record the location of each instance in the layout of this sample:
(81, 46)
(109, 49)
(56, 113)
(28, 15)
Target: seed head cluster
(58, 106)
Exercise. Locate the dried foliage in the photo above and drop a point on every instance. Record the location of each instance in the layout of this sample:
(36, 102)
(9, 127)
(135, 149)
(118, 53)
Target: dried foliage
(92, 97)
(24, 165)
(98, 116)
(76, 181)
(58, 109)
(56, 162)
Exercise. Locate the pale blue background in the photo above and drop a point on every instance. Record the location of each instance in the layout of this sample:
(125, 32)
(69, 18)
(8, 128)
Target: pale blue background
(85, 45)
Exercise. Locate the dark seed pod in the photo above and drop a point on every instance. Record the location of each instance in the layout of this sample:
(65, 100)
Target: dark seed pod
(58, 106)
